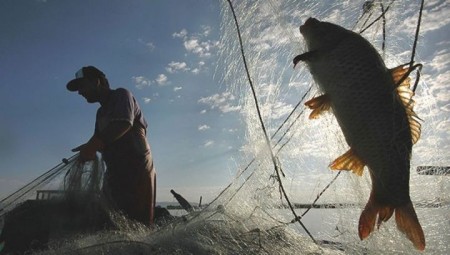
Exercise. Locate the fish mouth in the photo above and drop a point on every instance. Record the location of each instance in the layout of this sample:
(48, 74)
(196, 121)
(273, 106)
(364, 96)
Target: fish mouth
(308, 23)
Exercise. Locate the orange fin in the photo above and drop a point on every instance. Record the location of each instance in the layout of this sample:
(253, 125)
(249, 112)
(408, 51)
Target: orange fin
(349, 161)
(368, 218)
(384, 214)
(319, 105)
(398, 73)
(405, 217)
(407, 222)
(405, 95)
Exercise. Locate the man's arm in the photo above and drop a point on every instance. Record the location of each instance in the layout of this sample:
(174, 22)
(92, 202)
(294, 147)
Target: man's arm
(113, 131)
(99, 140)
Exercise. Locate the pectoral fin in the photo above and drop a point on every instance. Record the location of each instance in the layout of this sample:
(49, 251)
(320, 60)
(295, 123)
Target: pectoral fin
(319, 105)
(405, 95)
(307, 56)
(349, 161)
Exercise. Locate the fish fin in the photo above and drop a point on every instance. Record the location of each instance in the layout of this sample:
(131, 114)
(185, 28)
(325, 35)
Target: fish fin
(405, 217)
(307, 56)
(384, 214)
(319, 105)
(405, 95)
(349, 161)
(407, 222)
(368, 217)
(398, 72)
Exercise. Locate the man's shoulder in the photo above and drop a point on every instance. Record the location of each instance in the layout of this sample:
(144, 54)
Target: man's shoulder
(122, 92)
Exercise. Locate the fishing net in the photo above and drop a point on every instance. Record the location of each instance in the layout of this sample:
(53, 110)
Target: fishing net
(68, 179)
(284, 199)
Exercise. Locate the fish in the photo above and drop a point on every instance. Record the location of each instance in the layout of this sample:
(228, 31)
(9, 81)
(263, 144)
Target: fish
(373, 106)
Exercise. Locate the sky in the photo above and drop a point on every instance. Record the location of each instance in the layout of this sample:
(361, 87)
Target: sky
(166, 54)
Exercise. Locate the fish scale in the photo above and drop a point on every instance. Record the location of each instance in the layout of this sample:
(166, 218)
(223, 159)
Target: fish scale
(376, 122)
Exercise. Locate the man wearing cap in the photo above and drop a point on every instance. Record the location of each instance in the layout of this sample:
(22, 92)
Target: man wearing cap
(120, 135)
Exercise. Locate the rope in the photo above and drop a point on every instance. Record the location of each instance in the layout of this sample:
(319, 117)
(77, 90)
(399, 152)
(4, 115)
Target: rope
(274, 160)
(413, 54)
(378, 18)
(42, 179)
(412, 68)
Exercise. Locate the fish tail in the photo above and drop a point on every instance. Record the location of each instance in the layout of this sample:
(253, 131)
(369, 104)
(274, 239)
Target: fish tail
(368, 218)
(407, 222)
(405, 217)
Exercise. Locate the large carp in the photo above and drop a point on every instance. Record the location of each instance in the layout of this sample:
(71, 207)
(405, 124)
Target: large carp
(374, 108)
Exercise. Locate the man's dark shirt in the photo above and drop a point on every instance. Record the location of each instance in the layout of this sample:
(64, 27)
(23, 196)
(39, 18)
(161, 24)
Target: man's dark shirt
(130, 180)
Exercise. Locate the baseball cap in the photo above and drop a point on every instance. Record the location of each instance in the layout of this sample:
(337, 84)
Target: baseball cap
(85, 72)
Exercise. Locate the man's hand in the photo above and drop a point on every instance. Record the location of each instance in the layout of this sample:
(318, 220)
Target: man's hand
(88, 150)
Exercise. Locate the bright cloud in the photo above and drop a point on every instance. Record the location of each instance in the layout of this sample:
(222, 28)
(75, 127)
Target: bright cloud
(141, 82)
(177, 88)
(161, 79)
(208, 143)
(147, 100)
(182, 34)
(435, 16)
(197, 44)
(276, 110)
(441, 61)
(203, 127)
(223, 102)
(177, 66)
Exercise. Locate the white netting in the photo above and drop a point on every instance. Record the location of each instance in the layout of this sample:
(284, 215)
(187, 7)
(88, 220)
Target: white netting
(70, 177)
(251, 216)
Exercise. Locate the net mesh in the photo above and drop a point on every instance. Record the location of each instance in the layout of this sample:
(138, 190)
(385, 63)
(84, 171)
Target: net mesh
(68, 179)
(252, 215)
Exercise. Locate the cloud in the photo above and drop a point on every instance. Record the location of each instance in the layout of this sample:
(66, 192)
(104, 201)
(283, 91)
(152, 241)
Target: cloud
(177, 88)
(202, 111)
(195, 71)
(228, 108)
(161, 79)
(182, 34)
(444, 126)
(441, 61)
(230, 130)
(208, 143)
(150, 46)
(141, 82)
(202, 49)
(197, 43)
(177, 66)
(446, 108)
(438, 87)
(435, 16)
(206, 30)
(276, 110)
(221, 101)
(146, 100)
(203, 127)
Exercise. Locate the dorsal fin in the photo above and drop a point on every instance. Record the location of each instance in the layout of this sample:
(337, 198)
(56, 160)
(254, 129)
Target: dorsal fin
(405, 95)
